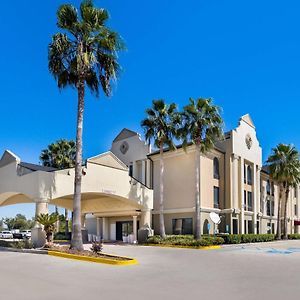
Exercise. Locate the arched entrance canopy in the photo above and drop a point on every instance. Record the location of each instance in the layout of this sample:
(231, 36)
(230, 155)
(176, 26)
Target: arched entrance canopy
(106, 185)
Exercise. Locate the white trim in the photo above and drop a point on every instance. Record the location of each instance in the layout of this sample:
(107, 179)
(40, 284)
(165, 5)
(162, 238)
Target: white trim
(186, 210)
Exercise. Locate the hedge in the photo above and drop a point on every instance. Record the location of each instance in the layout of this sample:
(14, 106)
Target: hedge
(188, 240)
(295, 236)
(184, 240)
(25, 244)
(248, 238)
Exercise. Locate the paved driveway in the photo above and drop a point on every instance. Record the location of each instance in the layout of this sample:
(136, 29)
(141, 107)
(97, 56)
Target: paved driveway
(261, 271)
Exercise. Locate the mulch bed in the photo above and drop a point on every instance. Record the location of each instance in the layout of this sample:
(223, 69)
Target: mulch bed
(66, 249)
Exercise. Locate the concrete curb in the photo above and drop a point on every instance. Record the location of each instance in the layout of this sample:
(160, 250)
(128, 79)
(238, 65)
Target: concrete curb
(130, 261)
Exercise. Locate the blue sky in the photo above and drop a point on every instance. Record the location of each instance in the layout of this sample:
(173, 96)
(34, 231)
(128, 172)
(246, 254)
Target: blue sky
(244, 54)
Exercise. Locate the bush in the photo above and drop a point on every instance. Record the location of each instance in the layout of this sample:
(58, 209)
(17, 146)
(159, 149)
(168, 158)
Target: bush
(25, 244)
(185, 240)
(97, 247)
(62, 236)
(248, 238)
(295, 236)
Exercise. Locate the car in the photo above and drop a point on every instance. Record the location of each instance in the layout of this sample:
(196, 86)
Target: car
(26, 233)
(6, 235)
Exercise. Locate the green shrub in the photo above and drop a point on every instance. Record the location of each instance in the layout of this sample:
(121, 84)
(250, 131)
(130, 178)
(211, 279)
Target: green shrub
(185, 240)
(25, 244)
(62, 236)
(248, 238)
(294, 236)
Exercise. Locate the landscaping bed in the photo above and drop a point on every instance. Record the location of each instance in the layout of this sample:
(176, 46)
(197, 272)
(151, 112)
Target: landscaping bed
(208, 241)
(86, 253)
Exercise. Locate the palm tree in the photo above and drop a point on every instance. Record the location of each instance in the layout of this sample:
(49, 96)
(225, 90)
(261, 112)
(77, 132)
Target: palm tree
(60, 155)
(202, 125)
(284, 167)
(48, 221)
(161, 125)
(85, 55)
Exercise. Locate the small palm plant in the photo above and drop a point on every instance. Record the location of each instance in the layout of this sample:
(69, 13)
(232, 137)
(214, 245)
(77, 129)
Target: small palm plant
(161, 125)
(48, 221)
(202, 125)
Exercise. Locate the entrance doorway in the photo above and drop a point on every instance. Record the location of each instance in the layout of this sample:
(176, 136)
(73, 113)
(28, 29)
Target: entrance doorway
(124, 228)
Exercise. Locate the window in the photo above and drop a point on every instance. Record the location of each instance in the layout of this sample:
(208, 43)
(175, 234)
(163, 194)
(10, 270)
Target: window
(272, 208)
(245, 174)
(268, 207)
(182, 226)
(272, 188)
(295, 192)
(269, 231)
(216, 168)
(250, 206)
(268, 187)
(245, 200)
(295, 210)
(250, 227)
(249, 175)
(130, 170)
(216, 197)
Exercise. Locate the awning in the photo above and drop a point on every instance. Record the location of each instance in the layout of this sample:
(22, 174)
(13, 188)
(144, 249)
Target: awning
(297, 223)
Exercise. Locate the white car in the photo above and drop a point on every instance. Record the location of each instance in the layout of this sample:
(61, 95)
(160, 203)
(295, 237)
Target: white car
(26, 233)
(6, 235)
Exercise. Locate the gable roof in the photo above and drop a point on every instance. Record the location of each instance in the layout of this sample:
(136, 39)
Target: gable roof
(34, 167)
(247, 119)
(124, 134)
(7, 158)
(108, 159)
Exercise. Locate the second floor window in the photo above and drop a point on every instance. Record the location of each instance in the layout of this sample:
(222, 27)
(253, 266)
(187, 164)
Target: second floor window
(249, 175)
(216, 168)
(268, 188)
(250, 202)
(216, 197)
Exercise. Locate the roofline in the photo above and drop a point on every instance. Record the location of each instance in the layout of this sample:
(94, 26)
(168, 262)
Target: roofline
(181, 146)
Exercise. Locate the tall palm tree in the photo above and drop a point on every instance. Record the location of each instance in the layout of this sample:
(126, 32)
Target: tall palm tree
(284, 167)
(85, 55)
(161, 125)
(60, 155)
(202, 125)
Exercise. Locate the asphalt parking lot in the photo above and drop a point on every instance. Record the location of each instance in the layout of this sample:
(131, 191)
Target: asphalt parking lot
(260, 271)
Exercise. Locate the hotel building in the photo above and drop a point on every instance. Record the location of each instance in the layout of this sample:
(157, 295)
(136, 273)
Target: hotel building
(120, 189)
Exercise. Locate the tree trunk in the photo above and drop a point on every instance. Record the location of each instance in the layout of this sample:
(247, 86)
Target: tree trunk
(197, 193)
(76, 242)
(285, 220)
(161, 198)
(67, 222)
(278, 233)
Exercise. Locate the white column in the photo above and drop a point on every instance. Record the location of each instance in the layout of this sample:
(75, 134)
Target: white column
(135, 229)
(98, 226)
(146, 217)
(258, 186)
(104, 228)
(83, 221)
(143, 179)
(38, 236)
(254, 192)
(241, 193)
(235, 186)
